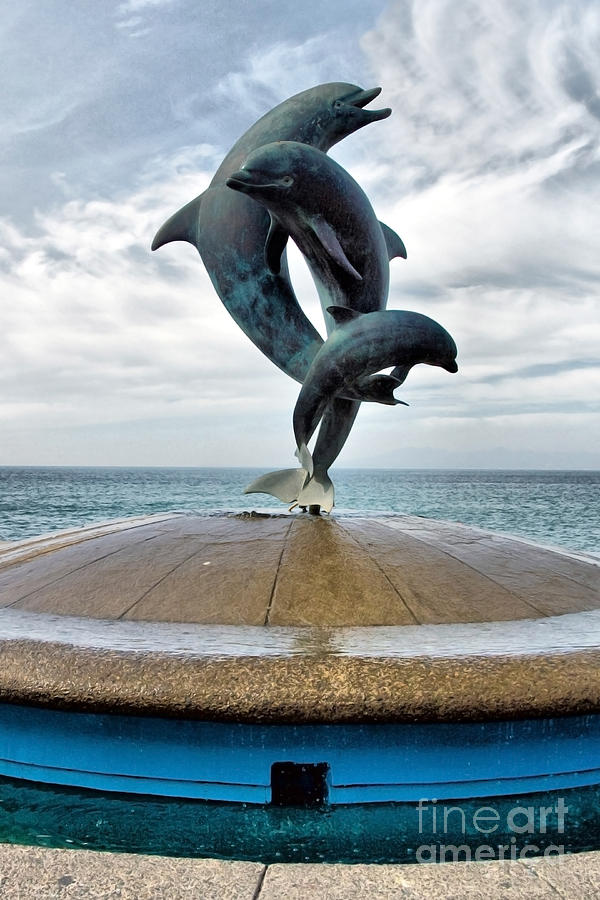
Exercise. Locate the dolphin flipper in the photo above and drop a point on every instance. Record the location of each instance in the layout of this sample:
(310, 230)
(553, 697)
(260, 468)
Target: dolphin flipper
(182, 226)
(330, 242)
(400, 372)
(394, 243)
(378, 388)
(277, 238)
(285, 484)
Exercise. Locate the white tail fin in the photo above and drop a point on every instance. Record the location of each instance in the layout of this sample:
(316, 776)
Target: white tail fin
(285, 484)
(318, 491)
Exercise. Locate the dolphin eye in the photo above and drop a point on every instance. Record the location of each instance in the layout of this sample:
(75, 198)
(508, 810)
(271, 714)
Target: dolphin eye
(338, 104)
(287, 180)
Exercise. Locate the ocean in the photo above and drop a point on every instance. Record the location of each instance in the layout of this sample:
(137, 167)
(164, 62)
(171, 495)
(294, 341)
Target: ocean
(560, 508)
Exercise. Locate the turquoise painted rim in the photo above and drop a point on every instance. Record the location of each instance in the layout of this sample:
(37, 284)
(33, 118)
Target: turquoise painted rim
(231, 762)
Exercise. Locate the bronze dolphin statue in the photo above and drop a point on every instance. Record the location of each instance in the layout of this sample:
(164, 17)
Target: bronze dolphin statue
(349, 364)
(313, 199)
(230, 231)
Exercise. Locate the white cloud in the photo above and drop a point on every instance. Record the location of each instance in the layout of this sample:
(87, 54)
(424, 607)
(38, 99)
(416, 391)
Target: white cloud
(132, 7)
(487, 169)
(96, 328)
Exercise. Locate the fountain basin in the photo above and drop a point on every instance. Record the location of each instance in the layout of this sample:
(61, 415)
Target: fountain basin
(278, 662)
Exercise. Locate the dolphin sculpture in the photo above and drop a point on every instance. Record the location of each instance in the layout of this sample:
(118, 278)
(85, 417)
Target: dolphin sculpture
(230, 231)
(313, 199)
(349, 364)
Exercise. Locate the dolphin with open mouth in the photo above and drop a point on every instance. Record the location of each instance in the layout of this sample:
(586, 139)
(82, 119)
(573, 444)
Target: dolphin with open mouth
(313, 199)
(230, 231)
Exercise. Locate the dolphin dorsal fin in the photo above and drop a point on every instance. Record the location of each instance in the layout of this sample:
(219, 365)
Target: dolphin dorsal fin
(275, 245)
(342, 314)
(394, 243)
(182, 226)
(328, 239)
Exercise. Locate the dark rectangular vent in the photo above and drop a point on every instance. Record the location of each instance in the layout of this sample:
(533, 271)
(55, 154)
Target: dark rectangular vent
(299, 784)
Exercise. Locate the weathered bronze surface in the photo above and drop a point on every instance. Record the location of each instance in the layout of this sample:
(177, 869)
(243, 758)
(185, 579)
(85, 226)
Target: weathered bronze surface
(313, 199)
(280, 162)
(230, 231)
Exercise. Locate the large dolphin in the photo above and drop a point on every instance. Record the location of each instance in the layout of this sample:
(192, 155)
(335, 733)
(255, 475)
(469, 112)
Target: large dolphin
(349, 364)
(230, 231)
(313, 199)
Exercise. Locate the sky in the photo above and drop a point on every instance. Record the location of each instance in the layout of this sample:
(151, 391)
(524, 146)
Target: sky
(115, 114)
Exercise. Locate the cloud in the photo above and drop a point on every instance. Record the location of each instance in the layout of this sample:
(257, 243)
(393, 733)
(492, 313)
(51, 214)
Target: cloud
(96, 328)
(131, 7)
(487, 169)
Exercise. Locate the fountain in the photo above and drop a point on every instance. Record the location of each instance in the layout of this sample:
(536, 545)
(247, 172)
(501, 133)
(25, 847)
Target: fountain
(287, 686)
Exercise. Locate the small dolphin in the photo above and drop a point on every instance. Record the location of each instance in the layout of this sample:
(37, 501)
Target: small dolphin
(351, 358)
(230, 231)
(313, 199)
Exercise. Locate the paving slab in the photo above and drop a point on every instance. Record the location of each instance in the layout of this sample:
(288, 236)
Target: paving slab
(436, 586)
(572, 877)
(327, 578)
(40, 873)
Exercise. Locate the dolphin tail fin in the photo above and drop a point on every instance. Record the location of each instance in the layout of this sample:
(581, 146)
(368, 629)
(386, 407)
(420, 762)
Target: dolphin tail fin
(379, 389)
(182, 226)
(394, 243)
(318, 491)
(305, 459)
(284, 484)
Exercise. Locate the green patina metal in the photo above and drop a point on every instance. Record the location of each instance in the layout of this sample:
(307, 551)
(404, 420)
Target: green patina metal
(276, 182)
(230, 231)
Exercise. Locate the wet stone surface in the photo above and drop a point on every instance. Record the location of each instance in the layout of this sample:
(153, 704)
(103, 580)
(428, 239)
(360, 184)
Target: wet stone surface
(299, 618)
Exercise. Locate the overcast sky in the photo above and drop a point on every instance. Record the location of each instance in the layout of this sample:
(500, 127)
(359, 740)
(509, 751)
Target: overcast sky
(115, 114)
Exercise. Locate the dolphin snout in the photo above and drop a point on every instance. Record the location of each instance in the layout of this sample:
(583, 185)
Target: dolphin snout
(362, 98)
(240, 181)
(451, 366)
(246, 182)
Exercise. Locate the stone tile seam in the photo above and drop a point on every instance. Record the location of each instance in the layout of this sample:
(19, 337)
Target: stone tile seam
(149, 590)
(540, 614)
(276, 576)
(50, 544)
(462, 562)
(553, 555)
(489, 538)
(384, 573)
(541, 877)
(501, 579)
(90, 562)
(260, 882)
(539, 577)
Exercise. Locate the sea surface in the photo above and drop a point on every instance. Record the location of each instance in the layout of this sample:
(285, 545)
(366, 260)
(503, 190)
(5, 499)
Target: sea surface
(560, 508)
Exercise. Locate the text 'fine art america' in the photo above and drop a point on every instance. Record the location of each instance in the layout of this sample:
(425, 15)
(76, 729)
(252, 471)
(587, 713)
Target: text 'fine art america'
(277, 182)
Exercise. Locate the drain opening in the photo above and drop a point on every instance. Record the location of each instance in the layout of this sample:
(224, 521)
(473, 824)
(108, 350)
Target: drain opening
(299, 784)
